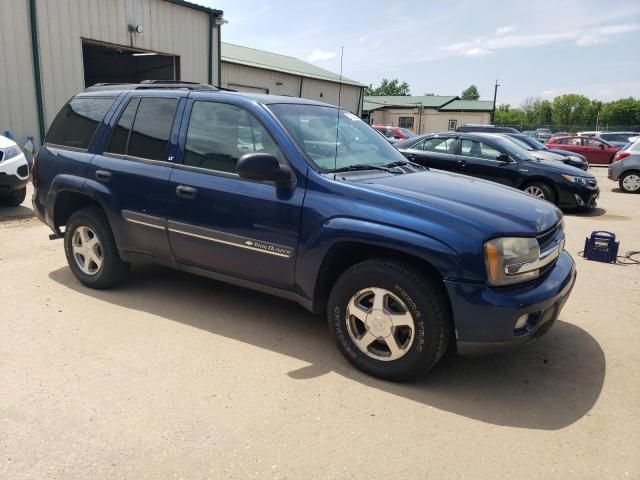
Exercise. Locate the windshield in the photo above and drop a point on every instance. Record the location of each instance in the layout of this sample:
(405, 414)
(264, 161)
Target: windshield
(407, 133)
(520, 143)
(532, 142)
(313, 128)
(512, 148)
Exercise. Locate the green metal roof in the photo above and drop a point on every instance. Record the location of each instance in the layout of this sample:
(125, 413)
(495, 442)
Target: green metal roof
(253, 57)
(468, 106)
(429, 101)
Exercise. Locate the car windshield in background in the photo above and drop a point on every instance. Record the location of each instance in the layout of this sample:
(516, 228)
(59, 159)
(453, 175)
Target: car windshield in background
(520, 143)
(407, 133)
(512, 148)
(316, 128)
(532, 142)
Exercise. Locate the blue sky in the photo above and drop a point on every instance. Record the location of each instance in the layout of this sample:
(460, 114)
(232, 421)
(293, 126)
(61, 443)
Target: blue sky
(535, 49)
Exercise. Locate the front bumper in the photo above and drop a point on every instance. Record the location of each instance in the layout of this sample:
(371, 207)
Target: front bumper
(574, 195)
(14, 174)
(485, 317)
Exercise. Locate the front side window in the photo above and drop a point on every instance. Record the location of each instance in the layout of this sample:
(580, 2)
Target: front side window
(78, 120)
(405, 122)
(331, 138)
(149, 136)
(439, 145)
(219, 134)
(478, 149)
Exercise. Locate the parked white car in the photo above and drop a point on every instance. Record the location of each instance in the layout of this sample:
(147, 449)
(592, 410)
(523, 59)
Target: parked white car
(14, 173)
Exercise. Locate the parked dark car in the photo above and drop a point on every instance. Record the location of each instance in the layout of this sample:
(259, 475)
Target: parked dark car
(597, 151)
(540, 150)
(485, 128)
(495, 158)
(305, 201)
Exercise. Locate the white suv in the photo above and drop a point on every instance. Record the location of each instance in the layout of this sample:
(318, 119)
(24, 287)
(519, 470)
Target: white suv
(14, 173)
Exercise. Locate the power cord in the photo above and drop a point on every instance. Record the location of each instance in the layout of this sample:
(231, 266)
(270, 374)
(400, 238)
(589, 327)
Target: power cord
(622, 260)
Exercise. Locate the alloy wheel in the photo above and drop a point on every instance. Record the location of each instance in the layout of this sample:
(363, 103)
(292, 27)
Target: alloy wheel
(631, 183)
(380, 324)
(87, 250)
(535, 191)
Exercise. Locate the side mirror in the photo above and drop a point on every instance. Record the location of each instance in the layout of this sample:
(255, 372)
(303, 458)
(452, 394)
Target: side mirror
(503, 157)
(602, 146)
(397, 137)
(264, 167)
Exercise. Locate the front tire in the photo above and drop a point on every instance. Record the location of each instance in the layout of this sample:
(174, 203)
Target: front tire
(630, 182)
(540, 190)
(389, 319)
(91, 250)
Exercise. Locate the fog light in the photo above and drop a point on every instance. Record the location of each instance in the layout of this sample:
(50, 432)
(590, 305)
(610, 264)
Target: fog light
(579, 200)
(522, 322)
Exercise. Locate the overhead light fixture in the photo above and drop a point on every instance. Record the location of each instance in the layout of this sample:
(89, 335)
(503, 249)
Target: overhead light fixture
(146, 54)
(136, 28)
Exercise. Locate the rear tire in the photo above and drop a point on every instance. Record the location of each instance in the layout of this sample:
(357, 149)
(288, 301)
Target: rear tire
(15, 198)
(91, 250)
(540, 190)
(630, 182)
(389, 319)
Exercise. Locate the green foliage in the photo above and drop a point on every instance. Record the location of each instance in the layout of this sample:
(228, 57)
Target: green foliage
(470, 93)
(388, 87)
(571, 112)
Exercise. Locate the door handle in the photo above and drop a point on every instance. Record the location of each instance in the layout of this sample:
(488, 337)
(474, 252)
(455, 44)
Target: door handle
(103, 175)
(462, 163)
(186, 192)
(411, 156)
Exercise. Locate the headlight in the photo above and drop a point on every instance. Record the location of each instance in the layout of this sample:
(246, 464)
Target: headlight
(579, 180)
(508, 260)
(10, 152)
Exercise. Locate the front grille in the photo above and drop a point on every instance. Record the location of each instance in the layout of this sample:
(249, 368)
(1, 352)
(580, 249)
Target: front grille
(545, 238)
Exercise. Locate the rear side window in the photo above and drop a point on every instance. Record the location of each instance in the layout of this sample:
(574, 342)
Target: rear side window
(439, 145)
(151, 128)
(78, 121)
(121, 131)
(478, 149)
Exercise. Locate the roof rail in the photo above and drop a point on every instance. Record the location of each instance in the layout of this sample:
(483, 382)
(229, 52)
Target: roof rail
(152, 84)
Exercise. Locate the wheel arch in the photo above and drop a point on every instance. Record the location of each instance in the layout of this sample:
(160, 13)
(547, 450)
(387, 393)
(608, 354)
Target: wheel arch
(540, 179)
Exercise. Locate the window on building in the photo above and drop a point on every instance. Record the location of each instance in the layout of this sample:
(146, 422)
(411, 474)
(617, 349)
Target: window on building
(78, 120)
(219, 134)
(453, 124)
(477, 149)
(405, 122)
(120, 136)
(149, 136)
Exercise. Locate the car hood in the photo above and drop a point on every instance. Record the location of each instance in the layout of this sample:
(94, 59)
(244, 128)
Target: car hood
(547, 155)
(565, 153)
(553, 166)
(497, 208)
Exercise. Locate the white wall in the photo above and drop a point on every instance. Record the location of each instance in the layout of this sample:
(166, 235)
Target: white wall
(432, 119)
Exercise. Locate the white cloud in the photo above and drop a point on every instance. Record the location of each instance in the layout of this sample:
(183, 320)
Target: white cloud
(504, 30)
(547, 93)
(503, 39)
(319, 55)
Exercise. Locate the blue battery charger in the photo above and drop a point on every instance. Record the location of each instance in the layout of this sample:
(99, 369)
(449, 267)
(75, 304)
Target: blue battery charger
(601, 246)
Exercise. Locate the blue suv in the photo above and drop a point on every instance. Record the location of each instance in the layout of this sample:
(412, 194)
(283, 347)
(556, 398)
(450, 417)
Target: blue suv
(305, 201)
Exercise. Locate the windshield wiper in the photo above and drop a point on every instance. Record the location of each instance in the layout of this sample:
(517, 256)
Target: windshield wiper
(359, 166)
(399, 163)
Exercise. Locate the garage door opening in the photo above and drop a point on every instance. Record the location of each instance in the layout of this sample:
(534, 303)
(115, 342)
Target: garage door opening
(105, 63)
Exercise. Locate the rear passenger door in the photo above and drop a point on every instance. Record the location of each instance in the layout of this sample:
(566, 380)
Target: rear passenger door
(436, 152)
(133, 173)
(220, 222)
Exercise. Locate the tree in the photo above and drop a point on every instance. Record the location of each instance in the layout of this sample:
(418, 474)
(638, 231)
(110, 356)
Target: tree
(470, 93)
(572, 110)
(388, 87)
(505, 115)
(625, 111)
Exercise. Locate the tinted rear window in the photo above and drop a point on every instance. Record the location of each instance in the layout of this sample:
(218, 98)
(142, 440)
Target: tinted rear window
(78, 120)
(151, 128)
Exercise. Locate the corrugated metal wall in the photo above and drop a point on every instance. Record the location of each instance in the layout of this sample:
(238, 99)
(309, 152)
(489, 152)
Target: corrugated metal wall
(62, 24)
(277, 83)
(18, 111)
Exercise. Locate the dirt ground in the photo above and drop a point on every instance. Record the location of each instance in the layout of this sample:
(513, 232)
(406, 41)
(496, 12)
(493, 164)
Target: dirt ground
(176, 376)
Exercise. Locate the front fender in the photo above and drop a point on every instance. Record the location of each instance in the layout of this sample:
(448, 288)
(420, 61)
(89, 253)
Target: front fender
(343, 229)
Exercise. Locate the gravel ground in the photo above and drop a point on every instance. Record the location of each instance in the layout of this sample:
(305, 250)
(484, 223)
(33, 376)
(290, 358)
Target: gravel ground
(175, 376)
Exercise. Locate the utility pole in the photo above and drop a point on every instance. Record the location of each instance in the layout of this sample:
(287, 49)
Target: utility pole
(495, 94)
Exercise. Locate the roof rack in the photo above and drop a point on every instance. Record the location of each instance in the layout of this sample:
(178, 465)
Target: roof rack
(154, 84)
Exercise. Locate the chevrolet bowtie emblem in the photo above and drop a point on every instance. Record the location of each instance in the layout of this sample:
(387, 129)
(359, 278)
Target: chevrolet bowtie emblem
(248, 243)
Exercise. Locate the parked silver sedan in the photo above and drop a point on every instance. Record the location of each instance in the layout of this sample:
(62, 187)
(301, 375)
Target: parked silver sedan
(625, 168)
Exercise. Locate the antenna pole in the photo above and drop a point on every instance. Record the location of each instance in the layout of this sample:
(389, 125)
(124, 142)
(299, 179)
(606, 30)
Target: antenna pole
(335, 159)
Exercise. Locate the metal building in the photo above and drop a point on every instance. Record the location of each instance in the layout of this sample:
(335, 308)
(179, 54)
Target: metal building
(251, 70)
(52, 49)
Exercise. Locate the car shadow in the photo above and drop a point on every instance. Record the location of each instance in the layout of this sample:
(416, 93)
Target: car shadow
(13, 213)
(547, 385)
(586, 212)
